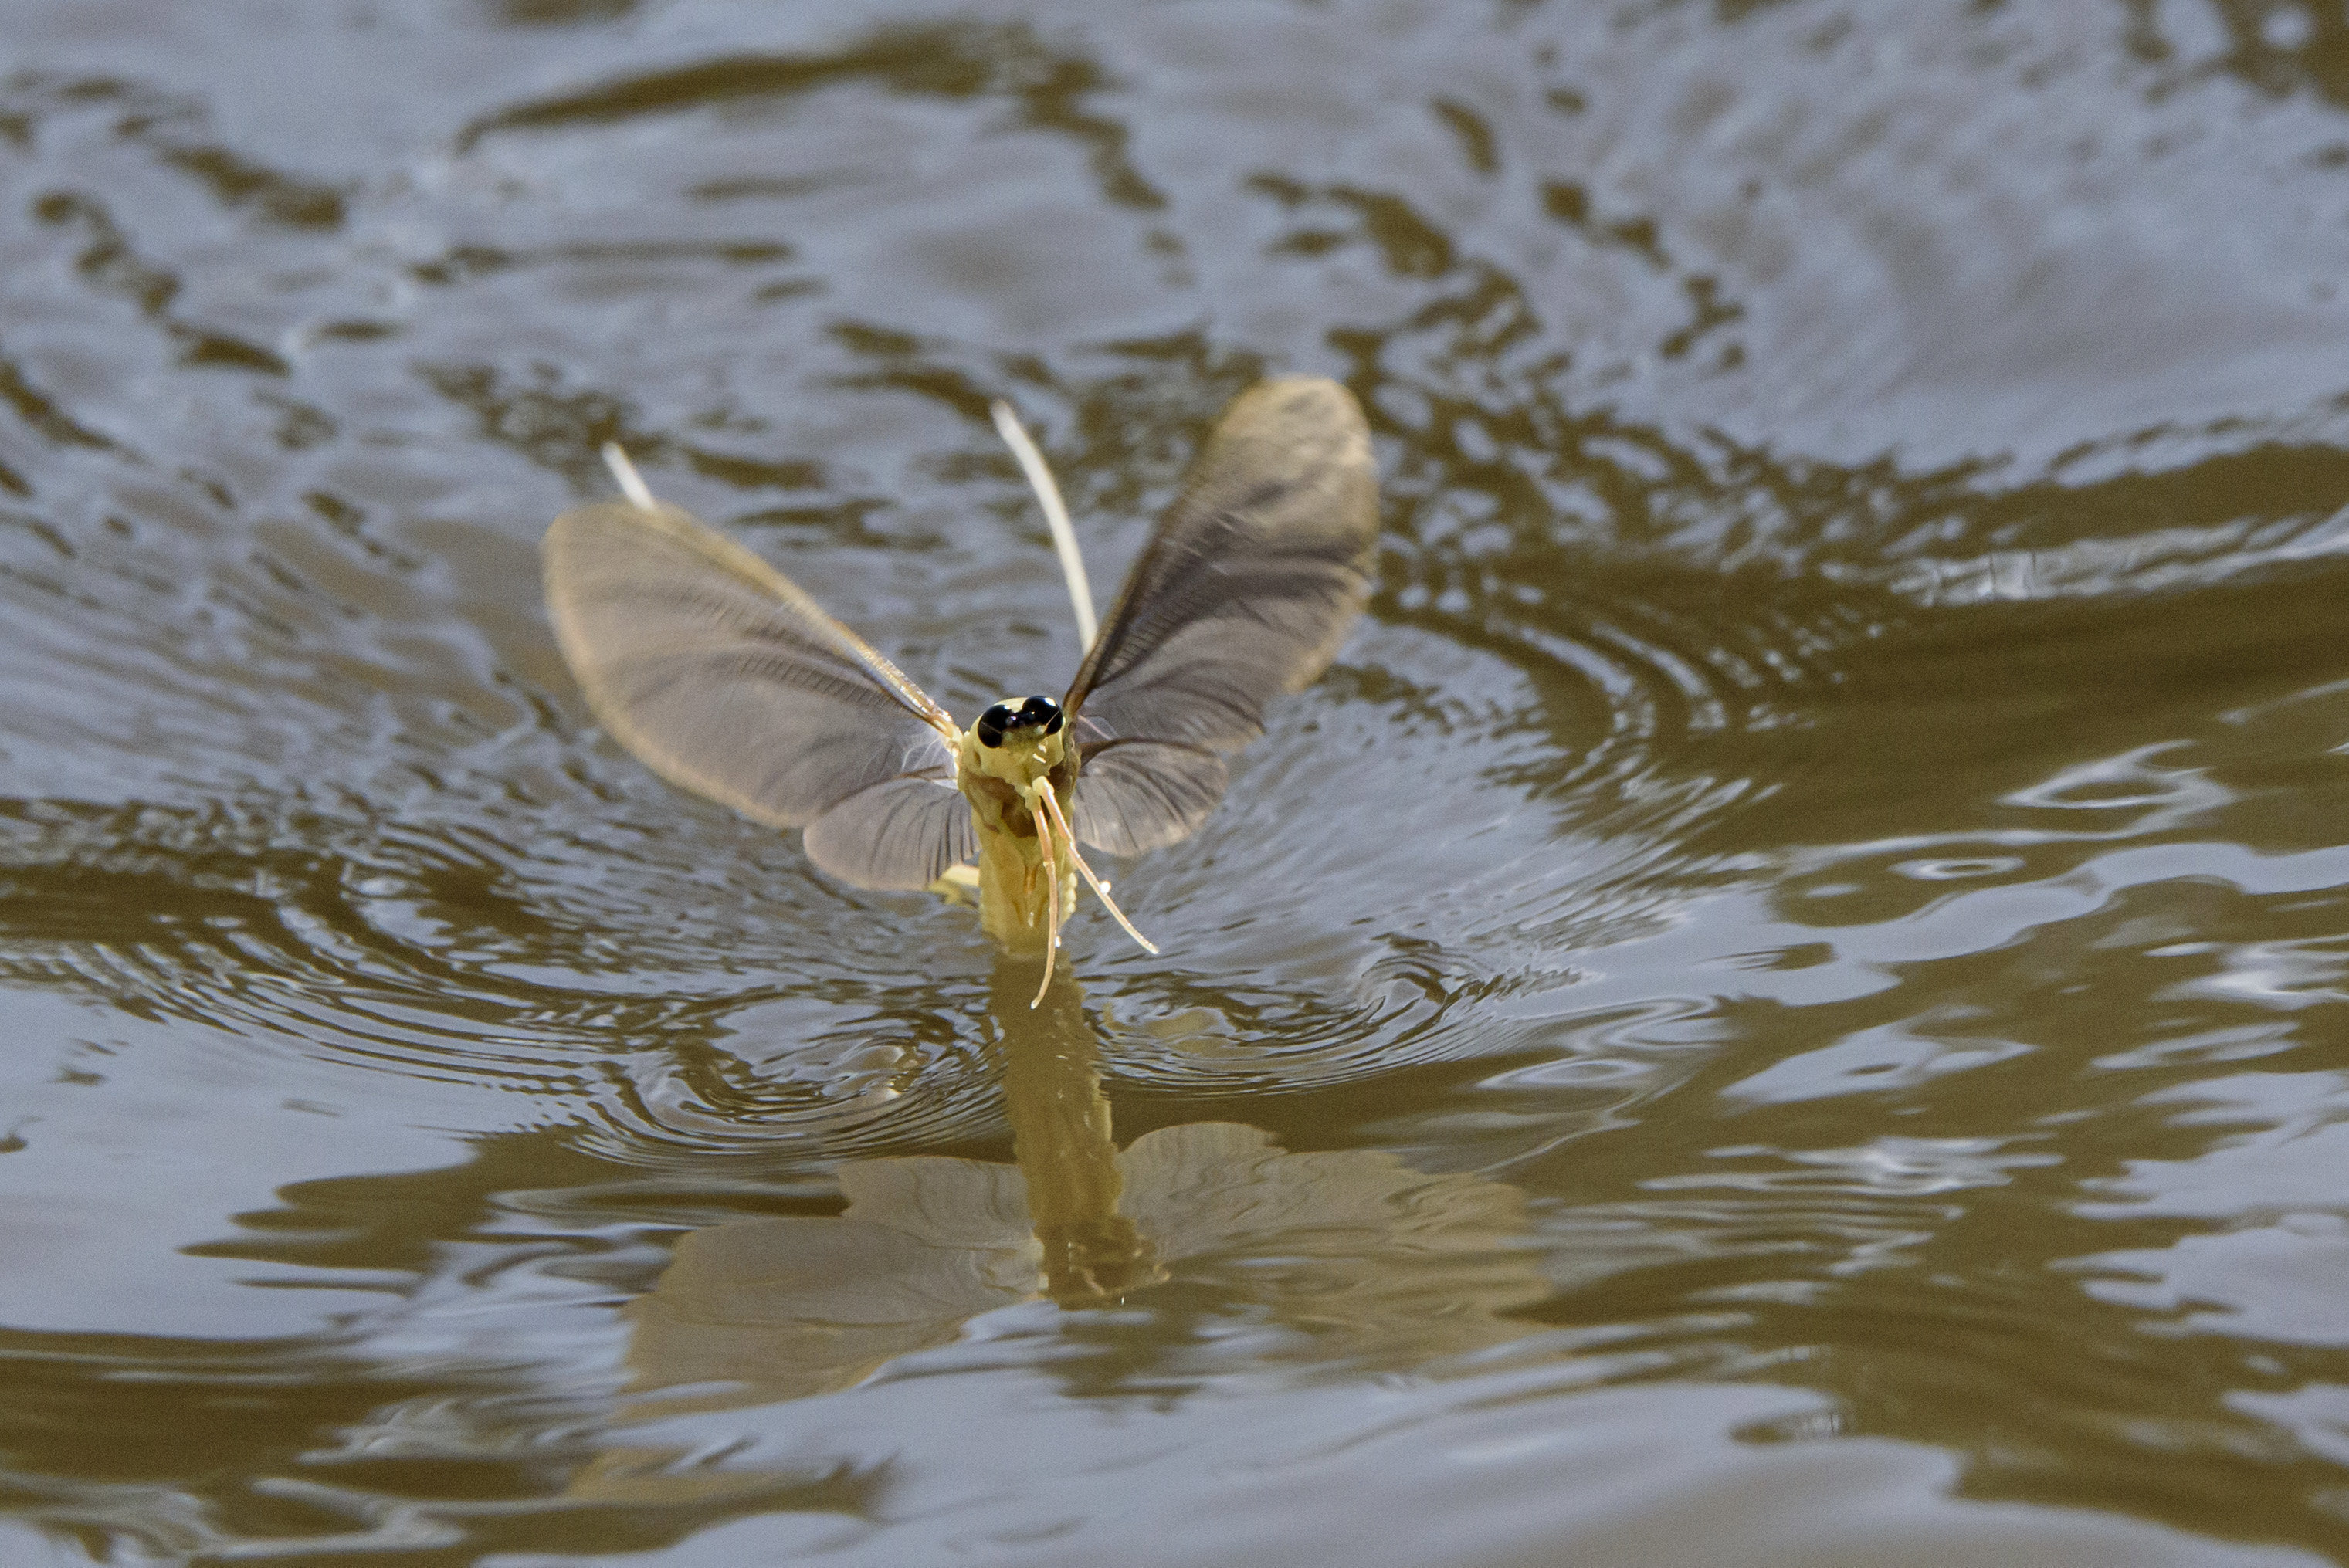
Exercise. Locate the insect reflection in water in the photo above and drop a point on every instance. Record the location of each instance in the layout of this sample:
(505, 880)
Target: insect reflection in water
(728, 679)
(1345, 1253)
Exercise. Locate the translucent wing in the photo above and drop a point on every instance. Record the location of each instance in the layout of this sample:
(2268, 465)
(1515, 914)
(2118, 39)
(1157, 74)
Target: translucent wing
(902, 832)
(1137, 795)
(727, 679)
(1244, 591)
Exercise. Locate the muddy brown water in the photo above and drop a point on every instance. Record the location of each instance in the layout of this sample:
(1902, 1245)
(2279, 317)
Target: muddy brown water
(1786, 1001)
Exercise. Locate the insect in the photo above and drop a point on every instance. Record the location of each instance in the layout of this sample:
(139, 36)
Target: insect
(725, 678)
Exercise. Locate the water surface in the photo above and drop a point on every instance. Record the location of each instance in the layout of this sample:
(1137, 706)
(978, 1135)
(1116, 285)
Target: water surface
(1777, 1005)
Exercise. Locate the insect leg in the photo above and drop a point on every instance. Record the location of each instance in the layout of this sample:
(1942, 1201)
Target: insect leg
(1051, 896)
(1101, 888)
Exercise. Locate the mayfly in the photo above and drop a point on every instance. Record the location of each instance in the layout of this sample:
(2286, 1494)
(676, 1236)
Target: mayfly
(722, 676)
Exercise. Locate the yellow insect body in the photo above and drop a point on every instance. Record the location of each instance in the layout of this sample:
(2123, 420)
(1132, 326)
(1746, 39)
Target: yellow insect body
(1027, 864)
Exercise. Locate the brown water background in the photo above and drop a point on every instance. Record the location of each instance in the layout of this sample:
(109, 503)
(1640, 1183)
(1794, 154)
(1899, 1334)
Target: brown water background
(1791, 985)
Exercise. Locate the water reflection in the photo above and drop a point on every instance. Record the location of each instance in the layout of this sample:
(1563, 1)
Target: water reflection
(1351, 1250)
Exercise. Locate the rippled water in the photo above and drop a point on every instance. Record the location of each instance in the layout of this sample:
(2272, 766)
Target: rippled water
(1784, 1003)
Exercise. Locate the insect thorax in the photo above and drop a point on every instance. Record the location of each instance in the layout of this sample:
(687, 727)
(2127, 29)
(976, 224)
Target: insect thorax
(1000, 781)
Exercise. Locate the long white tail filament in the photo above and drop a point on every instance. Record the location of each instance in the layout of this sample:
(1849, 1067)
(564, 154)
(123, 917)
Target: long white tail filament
(624, 473)
(1101, 889)
(1056, 515)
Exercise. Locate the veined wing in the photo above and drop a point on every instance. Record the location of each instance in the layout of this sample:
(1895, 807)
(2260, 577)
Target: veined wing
(1137, 795)
(1243, 592)
(727, 679)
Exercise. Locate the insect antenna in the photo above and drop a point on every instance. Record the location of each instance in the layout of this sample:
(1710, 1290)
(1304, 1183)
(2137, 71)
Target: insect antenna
(1101, 888)
(1056, 515)
(624, 473)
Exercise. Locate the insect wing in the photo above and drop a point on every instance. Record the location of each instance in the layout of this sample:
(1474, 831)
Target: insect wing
(1137, 795)
(1244, 591)
(727, 679)
(902, 832)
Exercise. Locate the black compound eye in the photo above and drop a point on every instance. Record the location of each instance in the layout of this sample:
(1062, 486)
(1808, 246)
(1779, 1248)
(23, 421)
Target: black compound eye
(1037, 712)
(1041, 712)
